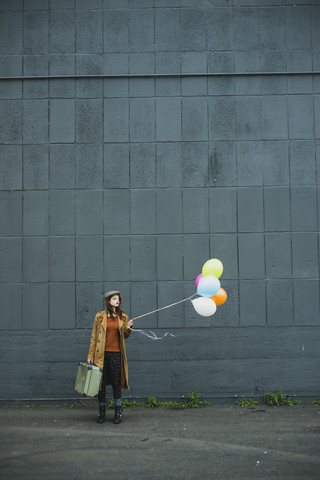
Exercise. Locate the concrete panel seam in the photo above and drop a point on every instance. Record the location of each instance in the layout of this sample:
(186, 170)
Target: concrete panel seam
(162, 75)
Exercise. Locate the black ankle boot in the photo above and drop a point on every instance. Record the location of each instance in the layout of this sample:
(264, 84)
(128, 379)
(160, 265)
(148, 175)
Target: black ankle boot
(102, 414)
(117, 415)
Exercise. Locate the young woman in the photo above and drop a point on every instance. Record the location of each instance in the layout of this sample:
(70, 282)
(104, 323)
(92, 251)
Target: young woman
(108, 351)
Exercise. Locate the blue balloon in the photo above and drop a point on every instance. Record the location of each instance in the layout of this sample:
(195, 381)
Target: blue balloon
(208, 286)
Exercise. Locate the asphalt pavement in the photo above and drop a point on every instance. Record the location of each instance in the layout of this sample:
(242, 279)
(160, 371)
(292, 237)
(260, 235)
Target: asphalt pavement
(216, 442)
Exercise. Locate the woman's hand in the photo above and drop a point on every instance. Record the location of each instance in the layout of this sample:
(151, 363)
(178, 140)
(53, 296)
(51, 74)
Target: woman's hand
(130, 323)
(90, 361)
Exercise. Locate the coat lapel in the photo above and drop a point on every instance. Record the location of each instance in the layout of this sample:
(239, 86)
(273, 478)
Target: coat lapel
(104, 320)
(120, 323)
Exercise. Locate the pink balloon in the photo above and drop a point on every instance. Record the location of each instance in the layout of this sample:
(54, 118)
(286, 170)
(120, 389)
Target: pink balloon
(198, 279)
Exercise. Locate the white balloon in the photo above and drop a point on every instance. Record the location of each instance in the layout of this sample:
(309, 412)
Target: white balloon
(204, 306)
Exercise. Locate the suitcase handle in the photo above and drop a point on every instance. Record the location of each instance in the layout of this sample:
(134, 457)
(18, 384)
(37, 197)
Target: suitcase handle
(89, 365)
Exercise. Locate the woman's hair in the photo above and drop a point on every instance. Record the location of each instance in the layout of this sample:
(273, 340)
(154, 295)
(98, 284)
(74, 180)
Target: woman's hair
(110, 308)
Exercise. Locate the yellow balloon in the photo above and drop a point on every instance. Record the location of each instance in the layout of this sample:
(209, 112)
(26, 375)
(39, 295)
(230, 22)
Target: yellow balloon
(212, 267)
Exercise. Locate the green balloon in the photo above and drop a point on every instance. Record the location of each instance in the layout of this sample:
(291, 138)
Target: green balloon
(212, 267)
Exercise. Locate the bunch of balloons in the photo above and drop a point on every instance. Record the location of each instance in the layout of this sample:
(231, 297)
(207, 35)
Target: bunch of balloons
(208, 288)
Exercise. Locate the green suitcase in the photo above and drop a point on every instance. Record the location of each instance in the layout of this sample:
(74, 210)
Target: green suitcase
(88, 379)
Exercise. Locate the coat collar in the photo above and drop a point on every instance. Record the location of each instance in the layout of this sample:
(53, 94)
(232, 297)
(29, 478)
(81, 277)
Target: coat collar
(103, 319)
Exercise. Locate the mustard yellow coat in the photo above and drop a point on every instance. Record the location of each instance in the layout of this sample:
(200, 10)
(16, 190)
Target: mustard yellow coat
(98, 341)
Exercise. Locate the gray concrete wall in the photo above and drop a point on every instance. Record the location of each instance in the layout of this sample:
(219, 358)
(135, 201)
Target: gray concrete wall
(115, 181)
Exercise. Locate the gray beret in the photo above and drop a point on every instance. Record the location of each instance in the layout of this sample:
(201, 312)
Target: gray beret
(111, 293)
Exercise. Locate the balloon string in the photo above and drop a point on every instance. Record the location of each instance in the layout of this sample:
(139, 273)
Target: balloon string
(151, 335)
(163, 308)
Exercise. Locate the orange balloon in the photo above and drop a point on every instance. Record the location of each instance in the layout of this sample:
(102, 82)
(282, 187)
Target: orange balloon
(220, 297)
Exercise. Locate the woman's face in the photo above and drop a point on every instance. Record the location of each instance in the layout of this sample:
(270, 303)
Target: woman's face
(115, 301)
